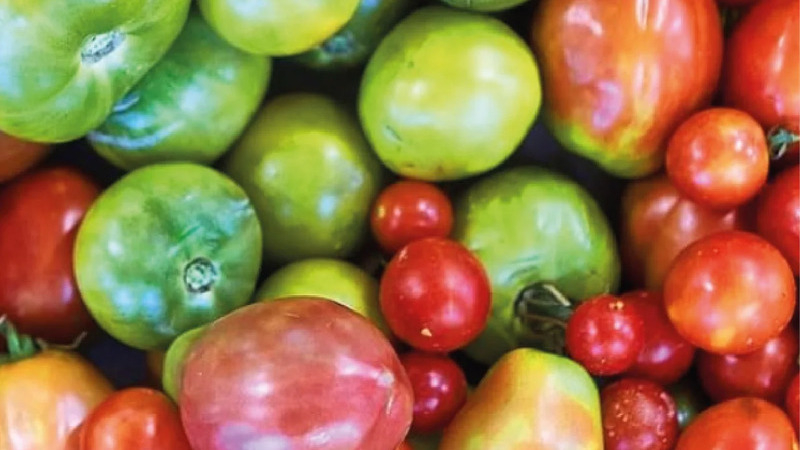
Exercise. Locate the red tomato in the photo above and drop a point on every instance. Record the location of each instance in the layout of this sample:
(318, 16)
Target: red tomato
(605, 335)
(657, 223)
(39, 216)
(666, 356)
(294, 373)
(792, 401)
(778, 215)
(134, 419)
(736, 2)
(435, 295)
(404, 446)
(410, 210)
(17, 156)
(440, 389)
(718, 158)
(638, 415)
(764, 373)
(739, 424)
(730, 292)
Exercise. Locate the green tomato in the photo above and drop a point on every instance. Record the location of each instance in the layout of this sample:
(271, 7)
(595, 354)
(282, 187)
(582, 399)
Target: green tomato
(64, 64)
(485, 5)
(190, 107)
(311, 175)
(165, 249)
(336, 280)
(448, 94)
(528, 226)
(173, 361)
(276, 27)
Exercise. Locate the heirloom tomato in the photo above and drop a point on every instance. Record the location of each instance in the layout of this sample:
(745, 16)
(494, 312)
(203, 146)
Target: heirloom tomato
(778, 215)
(17, 156)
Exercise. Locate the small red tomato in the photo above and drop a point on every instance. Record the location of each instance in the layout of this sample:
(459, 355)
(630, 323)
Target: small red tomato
(410, 210)
(605, 335)
(638, 415)
(718, 158)
(134, 419)
(435, 295)
(666, 356)
(778, 215)
(792, 402)
(440, 389)
(764, 373)
(730, 292)
(739, 424)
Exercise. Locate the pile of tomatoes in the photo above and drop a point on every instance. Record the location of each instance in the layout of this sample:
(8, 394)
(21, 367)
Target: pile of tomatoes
(399, 224)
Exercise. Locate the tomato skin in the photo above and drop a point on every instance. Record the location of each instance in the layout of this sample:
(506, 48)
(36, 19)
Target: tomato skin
(718, 158)
(440, 389)
(17, 156)
(134, 419)
(730, 292)
(792, 402)
(638, 415)
(39, 217)
(409, 210)
(435, 295)
(741, 423)
(778, 215)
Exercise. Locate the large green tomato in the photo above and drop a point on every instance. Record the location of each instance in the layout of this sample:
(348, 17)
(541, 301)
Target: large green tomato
(448, 94)
(311, 175)
(190, 107)
(165, 249)
(529, 226)
(64, 64)
(276, 27)
(485, 5)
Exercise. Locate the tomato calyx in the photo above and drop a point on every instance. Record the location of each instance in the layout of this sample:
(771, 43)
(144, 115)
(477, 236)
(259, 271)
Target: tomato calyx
(20, 346)
(199, 275)
(98, 46)
(780, 138)
(544, 311)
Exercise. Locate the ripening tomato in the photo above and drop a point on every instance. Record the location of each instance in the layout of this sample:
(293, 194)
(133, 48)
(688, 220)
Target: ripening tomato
(778, 215)
(792, 401)
(39, 216)
(17, 156)
(730, 292)
(440, 389)
(638, 415)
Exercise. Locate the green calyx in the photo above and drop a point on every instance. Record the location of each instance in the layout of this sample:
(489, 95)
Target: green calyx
(544, 311)
(20, 346)
(779, 140)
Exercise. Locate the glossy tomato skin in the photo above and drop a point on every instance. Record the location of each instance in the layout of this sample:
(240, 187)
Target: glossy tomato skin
(289, 371)
(730, 292)
(409, 210)
(665, 356)
(718, 158)
(741, 423)
(440, 389)
(792, 401)
(435, 295)
(17, 156)
(778, 215)
(134, 419)
(764, 373)
(615, 79)
(39, 217)
(45, 398)
(638, 415)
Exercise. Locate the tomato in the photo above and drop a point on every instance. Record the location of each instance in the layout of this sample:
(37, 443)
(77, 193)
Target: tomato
(730, 292)
(605, 335)
(440, 389)
(658, 222)
(484, 5)
(276, 27)
(741, 423)
(17, 156)
(442, 110)
(763, 373)
(531, 229)
(82, 66)
(404, 446)
(190, 107)
(409, 210)
(638, 414)
(778, 215)
(324, 215)
(718, 158)
(39, 216)
(665, 355)
(294, 373)
(792, 401)
(174, 360)
(736, 2)
(165, 249)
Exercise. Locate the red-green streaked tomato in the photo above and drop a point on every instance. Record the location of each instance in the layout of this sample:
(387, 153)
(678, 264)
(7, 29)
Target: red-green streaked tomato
(17, 156)
(615, 74)
(778, 215)
(64, 65)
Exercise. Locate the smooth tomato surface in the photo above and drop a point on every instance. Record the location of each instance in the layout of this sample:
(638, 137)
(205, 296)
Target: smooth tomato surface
(17, 156)
(440, 389)
(638, 415)
(778, 215)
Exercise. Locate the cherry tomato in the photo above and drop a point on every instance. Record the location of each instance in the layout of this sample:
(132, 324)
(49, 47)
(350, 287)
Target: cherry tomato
(638, 415)
(440, 389)
(134, 419)
(435, 295)
(778, 215)
(666, 356)
(17, 156)
(718, 158)
(39, 216)
(792, 401)
(764, 373)
(730, 292)
(410, 210)
(739, 424)
(605, 335)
